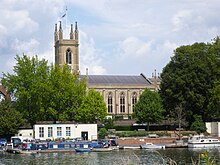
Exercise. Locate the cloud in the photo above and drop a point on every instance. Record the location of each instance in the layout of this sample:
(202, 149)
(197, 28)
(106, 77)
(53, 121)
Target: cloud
(116, 37)
(134, 47)
(26, 27)
(25, 46)
(89, 56)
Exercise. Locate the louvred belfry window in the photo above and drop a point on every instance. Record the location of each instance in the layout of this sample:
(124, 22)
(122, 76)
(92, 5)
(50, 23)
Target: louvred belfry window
(68, 57)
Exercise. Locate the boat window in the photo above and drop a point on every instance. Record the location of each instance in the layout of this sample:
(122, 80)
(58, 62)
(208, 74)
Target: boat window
(66, 146)
(202, 140)
(86, 146)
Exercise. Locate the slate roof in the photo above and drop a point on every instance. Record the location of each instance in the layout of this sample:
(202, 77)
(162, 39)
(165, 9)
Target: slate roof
(118, 79)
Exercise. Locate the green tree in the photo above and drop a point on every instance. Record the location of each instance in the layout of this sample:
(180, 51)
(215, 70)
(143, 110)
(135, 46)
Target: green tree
(102, 133)
(148, 108)
(45, 93)
(198, 125)
(214, 103)
(108, 123)
(92, 109)
(188, 78)
(10, 119)
(25, 86)
(65, 93)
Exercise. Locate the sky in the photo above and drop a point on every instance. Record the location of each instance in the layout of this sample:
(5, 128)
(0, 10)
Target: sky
(116, 37)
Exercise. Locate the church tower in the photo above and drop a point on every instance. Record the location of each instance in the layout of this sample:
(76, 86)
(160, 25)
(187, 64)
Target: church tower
(67, 50)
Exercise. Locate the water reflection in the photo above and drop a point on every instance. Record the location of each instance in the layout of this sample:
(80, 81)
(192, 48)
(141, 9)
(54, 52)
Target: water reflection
(121, 157)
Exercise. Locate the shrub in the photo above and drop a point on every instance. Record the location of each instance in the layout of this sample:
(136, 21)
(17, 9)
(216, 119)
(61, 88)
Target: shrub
(102, 133)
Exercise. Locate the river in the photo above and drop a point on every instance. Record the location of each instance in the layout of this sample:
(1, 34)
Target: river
(182, 156)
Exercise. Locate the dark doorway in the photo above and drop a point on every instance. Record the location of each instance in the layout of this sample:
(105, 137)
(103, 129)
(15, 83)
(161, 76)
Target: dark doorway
(84, 135)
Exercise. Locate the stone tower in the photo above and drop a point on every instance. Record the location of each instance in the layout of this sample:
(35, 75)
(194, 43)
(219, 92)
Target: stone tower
(67, 50)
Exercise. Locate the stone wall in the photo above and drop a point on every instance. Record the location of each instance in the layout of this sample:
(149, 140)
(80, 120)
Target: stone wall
(138, 141)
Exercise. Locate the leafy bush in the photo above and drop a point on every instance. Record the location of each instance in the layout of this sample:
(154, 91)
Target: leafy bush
(102, 133)
(123, 128)
(198, 125)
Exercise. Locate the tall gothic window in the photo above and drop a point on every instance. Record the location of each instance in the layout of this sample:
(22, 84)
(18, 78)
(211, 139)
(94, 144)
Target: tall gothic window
(110, 106)
(134, 100)
(122, 102)
(68, 57)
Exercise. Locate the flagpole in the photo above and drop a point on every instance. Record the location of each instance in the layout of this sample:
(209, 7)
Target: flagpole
(66, 21)
(62, 17)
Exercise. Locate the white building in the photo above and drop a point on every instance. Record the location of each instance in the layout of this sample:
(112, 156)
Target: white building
(213, 128)
(54, 131)
(26, 133)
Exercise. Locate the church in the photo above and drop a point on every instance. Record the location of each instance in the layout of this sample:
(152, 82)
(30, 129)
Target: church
(120, 92)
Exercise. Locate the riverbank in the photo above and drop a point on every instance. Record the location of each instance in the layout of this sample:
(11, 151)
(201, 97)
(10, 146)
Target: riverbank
(169, 142)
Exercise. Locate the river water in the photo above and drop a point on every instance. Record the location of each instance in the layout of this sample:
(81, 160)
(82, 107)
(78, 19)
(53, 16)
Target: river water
(182, 156)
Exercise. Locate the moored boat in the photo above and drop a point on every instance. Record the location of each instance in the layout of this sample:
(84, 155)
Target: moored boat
(203, 142)
(83, 149)
(101, 149)
(152, 146)
(129, 147)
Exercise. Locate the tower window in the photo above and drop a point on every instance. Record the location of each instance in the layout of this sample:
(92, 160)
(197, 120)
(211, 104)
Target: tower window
(68, 57)
(110, 102)
(122, 103)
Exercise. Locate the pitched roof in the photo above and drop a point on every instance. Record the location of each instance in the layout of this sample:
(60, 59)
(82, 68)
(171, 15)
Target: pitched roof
(118, 79)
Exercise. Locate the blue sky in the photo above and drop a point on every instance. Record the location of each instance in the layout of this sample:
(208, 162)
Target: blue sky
(122, 37)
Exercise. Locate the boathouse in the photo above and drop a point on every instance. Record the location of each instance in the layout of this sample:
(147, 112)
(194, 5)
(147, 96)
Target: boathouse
(65, 130)
(213, 128)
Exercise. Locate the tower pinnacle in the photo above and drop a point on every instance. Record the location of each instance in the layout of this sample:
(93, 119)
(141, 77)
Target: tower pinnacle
(60, 32)
(71, 32)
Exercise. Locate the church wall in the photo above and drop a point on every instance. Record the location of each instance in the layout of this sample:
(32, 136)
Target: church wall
(117, 90)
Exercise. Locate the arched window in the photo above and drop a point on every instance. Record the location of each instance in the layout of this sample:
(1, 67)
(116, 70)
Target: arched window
(68, 57)
(134, 100)
(122, 102)
(110, 106)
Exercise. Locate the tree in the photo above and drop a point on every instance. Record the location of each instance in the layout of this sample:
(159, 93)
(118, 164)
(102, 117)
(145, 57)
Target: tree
(65, 94)
(92, 109)
(148, 108)
(102, 133)
(214, 103)
(10, 119)
(26, 86)
(188, 78)
(108, 123)
(179, 114)
(43, 93)
(198, 125)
